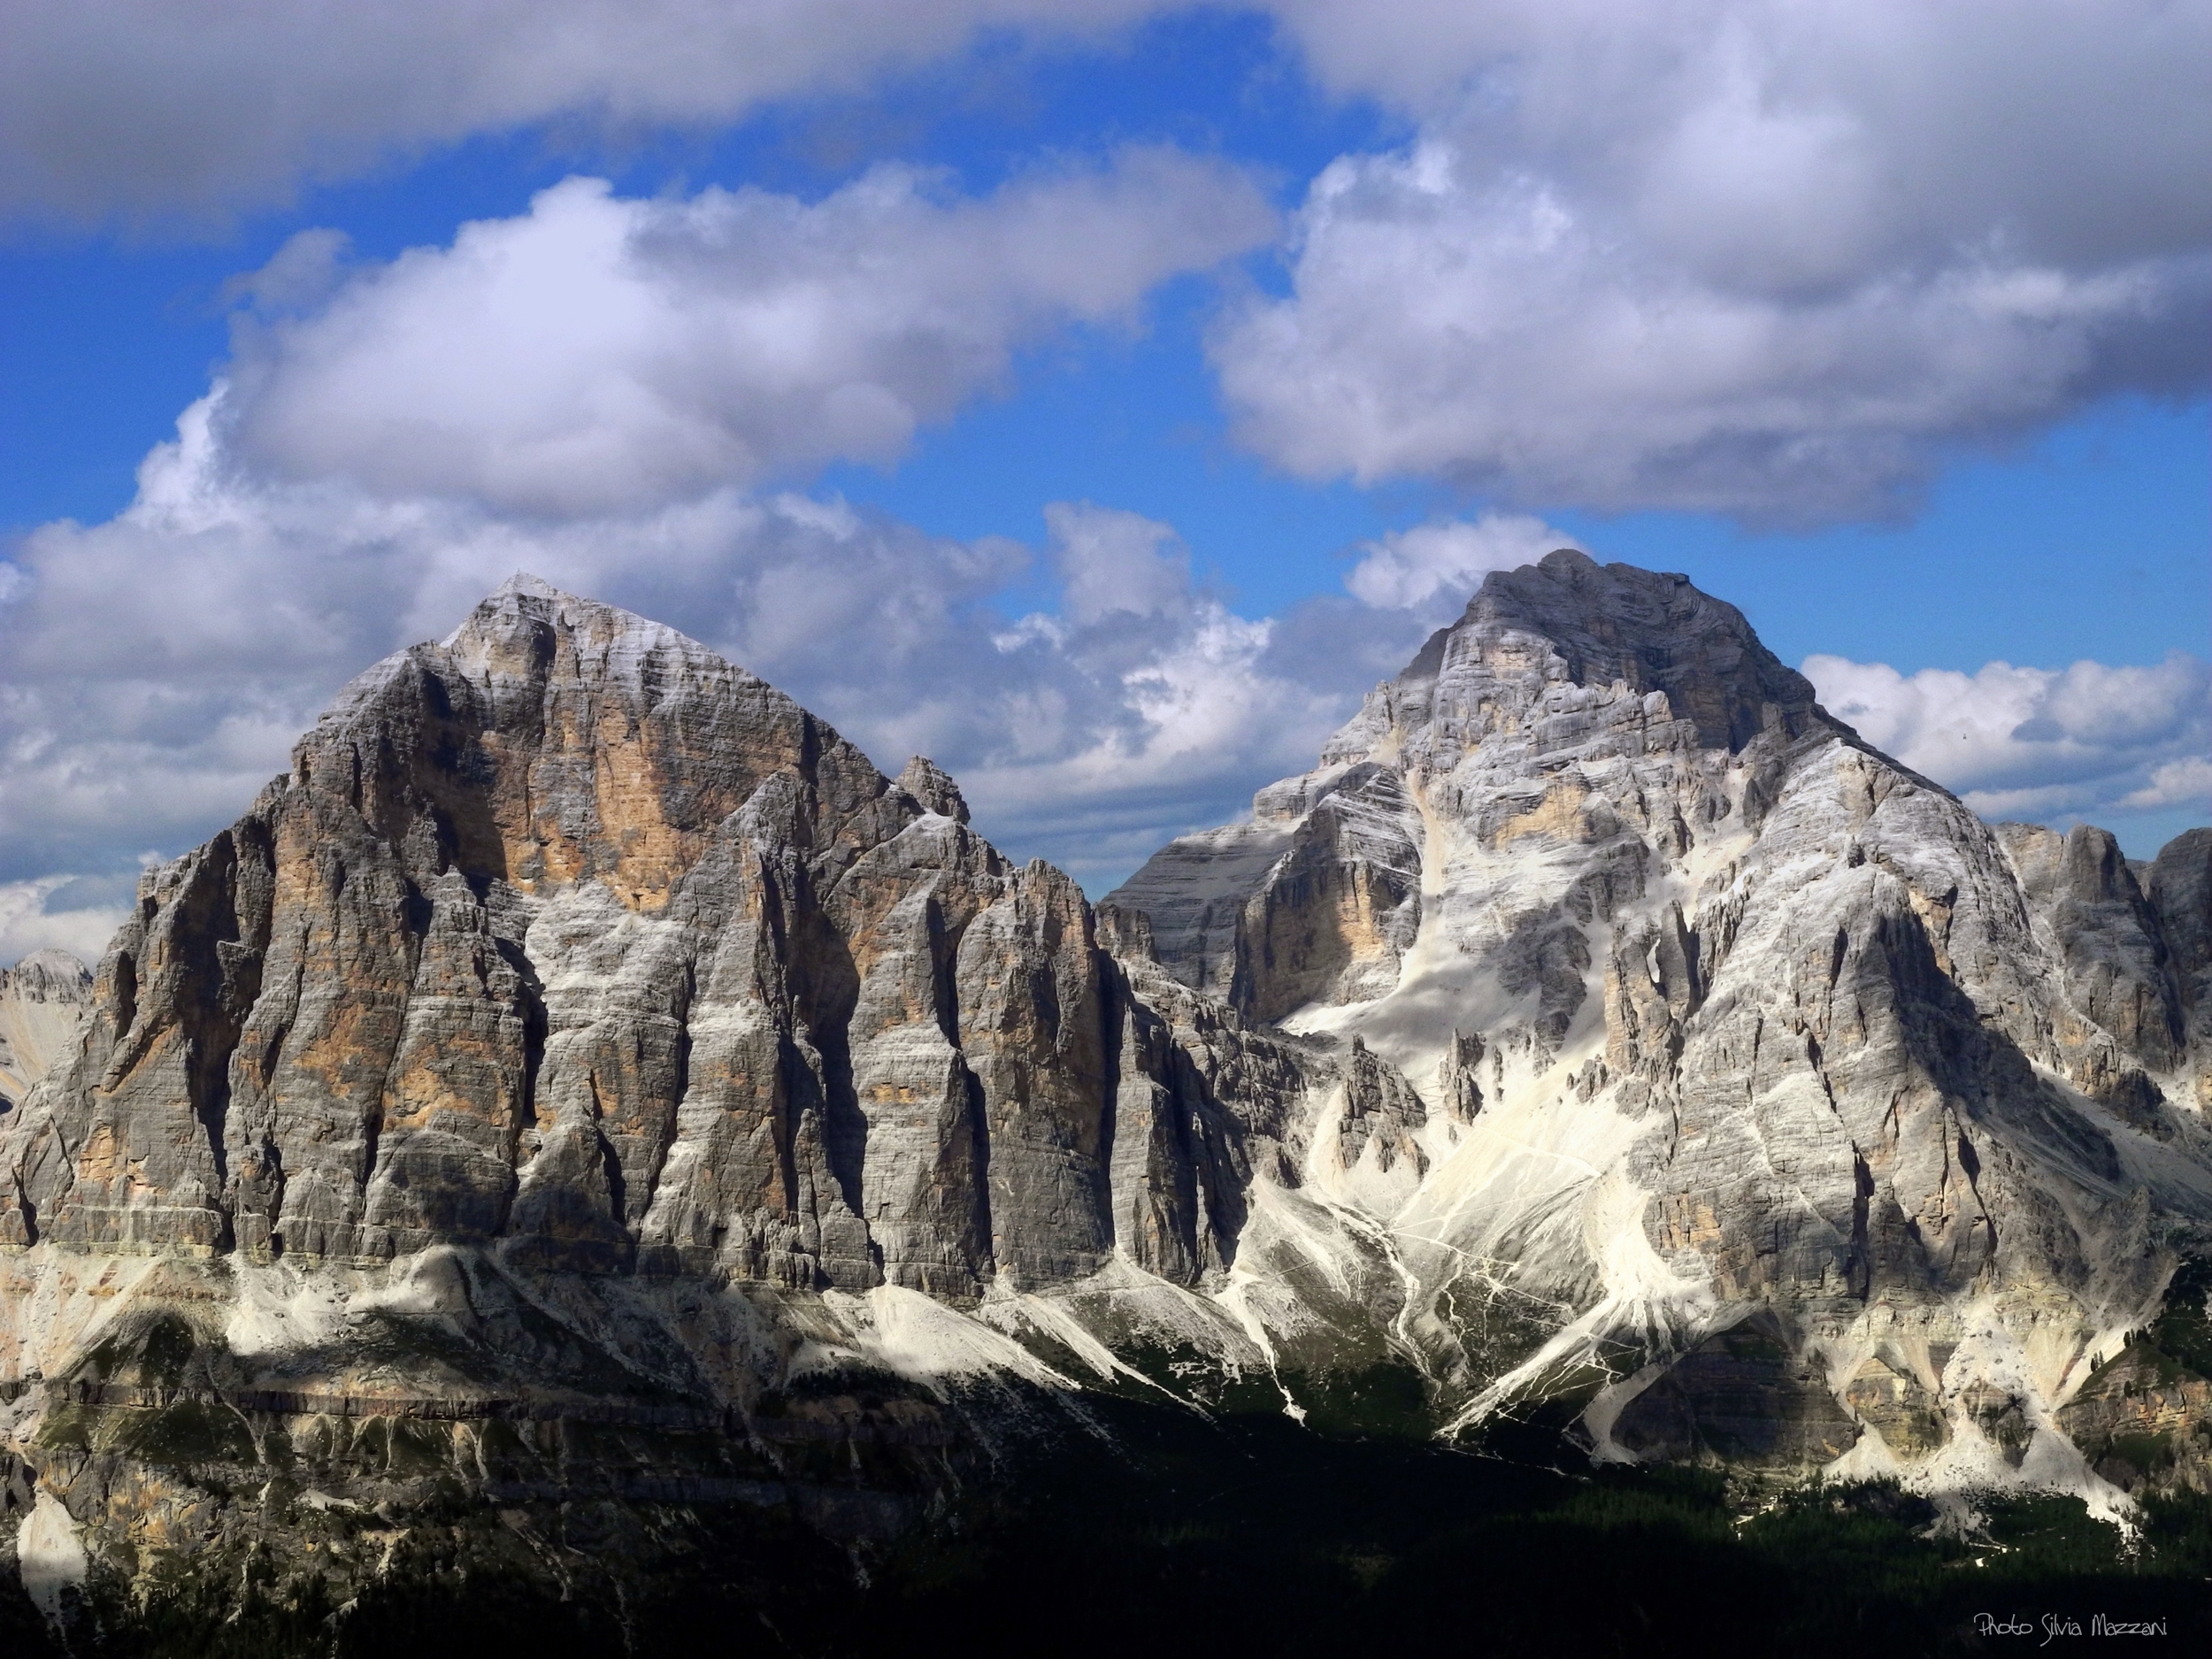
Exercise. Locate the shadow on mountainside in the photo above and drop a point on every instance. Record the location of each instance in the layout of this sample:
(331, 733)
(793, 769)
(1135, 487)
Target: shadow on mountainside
(1153, 1530)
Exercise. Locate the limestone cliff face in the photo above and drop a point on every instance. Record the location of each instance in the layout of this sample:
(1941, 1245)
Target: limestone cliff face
(2118, 971)
(42, 1001)
(1760, 1023)
(585, 1075)
(567, 936)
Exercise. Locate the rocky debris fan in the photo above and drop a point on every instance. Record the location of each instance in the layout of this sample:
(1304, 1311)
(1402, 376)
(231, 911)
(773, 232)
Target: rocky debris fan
(583, 1066)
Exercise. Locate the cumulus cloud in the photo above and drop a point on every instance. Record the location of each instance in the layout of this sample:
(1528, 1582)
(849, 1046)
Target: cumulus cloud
(160, 665)
(1431, 568)
(152, 109)
(2088, 742)
(600, 352)
(1111, 561)
(57, 913)
(1770, 259)
(1143, 706)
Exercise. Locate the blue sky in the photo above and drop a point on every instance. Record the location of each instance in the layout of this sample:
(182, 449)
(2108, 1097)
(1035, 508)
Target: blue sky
(1097, 396)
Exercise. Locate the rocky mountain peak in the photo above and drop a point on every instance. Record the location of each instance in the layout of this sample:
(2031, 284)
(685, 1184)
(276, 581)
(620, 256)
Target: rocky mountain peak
(1665, 936)
(933, 788)
(550, 739)
(567, 939)
(1569, 636)
(52, 975)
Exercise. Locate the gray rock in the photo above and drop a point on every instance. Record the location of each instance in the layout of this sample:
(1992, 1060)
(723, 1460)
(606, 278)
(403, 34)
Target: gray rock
(565, 935)
(2118, 971)
(2180, 893)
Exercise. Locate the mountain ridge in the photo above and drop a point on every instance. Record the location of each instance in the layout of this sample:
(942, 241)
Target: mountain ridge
(580, 1032)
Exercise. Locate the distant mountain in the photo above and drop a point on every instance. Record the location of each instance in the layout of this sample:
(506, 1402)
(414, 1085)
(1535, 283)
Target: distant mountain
(583, 1075)
(42, 1000)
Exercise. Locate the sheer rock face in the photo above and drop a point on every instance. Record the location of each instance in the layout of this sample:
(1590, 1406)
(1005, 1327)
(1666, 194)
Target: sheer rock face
(43, 1000)
(568, 937)
(2118, 971)
(2180, 895)
(1759, 1020)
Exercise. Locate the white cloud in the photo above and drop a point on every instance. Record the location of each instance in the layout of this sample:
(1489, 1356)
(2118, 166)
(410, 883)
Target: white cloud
(1810, 138)
(2086, 741)
(599, 353)
(30, 919)
(1435, 567)
(160, 665)
(2178, 783)
(153, 109)
(1765, 258)
(1142, 707)
(1111, 561)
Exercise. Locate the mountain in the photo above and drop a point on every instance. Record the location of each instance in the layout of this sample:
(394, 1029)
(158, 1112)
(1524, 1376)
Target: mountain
(584, 1082)
(1759, 1072)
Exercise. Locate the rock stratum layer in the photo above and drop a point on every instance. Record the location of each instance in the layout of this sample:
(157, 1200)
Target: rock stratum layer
(582, 1034)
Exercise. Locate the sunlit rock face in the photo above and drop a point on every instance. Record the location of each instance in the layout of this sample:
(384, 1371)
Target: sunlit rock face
(567, 935)
(1758, 1021)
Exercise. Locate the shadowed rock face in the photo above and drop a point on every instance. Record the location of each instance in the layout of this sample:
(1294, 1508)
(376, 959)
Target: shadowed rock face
(2180, 895)
(567, 935)
(2108, 937)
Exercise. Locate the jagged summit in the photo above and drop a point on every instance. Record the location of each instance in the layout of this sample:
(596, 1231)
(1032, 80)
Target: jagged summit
(1599, 625)
(530, 586)
(48, 974)
(550, 737)
(1552, 669)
